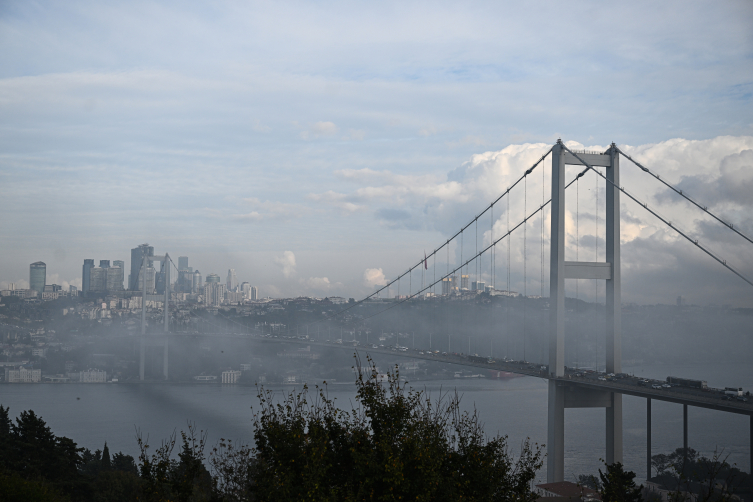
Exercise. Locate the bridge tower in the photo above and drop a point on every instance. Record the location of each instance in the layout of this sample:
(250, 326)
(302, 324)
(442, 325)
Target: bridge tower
(561, 395)
(144, 341)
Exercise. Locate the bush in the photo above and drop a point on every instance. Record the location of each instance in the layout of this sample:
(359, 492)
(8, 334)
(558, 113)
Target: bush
(395, 444)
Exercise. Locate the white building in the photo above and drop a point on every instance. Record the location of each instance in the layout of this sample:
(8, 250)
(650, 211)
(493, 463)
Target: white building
(22, 375)
(230, 376)
(39, 352)
(93, 376)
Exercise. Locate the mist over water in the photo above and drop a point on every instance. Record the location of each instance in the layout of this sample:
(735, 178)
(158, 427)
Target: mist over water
(516, 407)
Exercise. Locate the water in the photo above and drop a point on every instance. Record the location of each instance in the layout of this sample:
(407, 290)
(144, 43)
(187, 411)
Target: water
(93, 414)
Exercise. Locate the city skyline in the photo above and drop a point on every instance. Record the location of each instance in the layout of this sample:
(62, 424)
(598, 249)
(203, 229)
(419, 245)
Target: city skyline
(321, 159)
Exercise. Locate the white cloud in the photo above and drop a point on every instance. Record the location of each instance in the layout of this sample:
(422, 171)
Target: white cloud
(374, 277)
(286, 261)
(320, 129)
(17, 284)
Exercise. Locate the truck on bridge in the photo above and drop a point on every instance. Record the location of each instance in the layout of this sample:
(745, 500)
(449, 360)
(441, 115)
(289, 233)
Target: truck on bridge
(686, 382)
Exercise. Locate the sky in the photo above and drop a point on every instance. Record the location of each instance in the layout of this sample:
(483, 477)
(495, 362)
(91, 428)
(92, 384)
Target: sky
(320, 147)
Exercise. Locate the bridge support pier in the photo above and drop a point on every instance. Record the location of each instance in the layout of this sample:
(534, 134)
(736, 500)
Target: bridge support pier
(648, 438)
(555, 460)
(614, 429)
(685, 431)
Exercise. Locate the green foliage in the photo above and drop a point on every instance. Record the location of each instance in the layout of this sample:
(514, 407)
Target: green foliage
(164, 479)
(395, 445)
(618, 485)
(589, 481)
(15, 488)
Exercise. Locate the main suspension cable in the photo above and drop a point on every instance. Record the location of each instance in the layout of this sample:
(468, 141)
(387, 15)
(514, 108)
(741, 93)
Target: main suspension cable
(705, 209)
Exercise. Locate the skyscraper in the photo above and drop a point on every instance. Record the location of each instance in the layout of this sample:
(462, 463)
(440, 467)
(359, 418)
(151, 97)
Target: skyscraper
(212, 278)
(113, 278)
(104, 263)
(86, 276)
(232, 280)
(98, 280)
(197, 283)
(254, 293)
(245, 288)
(182, 262)
(37, 276)
(119, 281)
(137, 257)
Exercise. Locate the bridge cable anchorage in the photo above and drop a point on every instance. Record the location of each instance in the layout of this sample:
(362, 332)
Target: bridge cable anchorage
(663, 220)
(686, 197)
(449, 273)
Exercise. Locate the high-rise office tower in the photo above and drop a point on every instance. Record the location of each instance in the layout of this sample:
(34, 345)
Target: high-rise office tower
(197, 283)
(465, 282)
(159, 281)
(214, 293)
(137, 258)
(254, 293)
(212, 278)
(98, 280)
(37, 276)
(446, 285)
(232, 280)
(245, 289)
(182, 262)
(121, 264)
(113, 278)
(104, 263)
(86, 276)
(150, 276)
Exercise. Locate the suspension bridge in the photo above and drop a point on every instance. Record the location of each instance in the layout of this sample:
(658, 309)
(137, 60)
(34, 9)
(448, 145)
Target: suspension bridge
(567, 388)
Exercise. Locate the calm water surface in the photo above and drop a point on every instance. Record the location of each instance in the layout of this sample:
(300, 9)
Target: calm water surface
(93, 414)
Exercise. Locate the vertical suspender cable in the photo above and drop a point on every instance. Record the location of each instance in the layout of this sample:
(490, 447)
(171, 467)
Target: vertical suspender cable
(525, 256)
(596, 281)
(577, 248)
(507, 297)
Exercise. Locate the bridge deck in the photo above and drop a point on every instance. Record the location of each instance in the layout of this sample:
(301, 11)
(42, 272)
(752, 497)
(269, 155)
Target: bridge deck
(710, 399)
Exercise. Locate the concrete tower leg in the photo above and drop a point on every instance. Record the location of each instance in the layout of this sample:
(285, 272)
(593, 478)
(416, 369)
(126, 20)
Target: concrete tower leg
(556, 426)
(613, 306)
(555, 459)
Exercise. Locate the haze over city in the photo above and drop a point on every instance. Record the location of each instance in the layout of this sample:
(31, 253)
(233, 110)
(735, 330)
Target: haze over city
(511, 244)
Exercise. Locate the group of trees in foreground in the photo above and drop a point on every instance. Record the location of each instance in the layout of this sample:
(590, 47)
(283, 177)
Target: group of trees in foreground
(395, 444)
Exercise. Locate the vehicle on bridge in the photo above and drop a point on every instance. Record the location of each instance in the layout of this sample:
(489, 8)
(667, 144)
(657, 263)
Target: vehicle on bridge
(686, 382)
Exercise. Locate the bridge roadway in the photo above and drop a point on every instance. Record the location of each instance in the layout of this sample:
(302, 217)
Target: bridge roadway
(586, 380)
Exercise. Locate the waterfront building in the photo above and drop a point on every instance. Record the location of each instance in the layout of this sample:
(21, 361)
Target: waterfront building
(93, 376)
(37, 276)
(465, 282)
(230, 376)
(478, 286)
(22, 374)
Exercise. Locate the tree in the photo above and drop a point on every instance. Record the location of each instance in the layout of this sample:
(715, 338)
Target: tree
(618, 485)
(395, 444)
(106, 458)
(589, 481)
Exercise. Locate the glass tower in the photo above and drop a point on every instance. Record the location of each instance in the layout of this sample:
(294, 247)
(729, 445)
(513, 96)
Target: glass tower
(37, 276)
